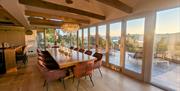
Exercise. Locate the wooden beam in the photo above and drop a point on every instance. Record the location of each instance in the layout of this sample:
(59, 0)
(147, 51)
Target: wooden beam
(15, 10)
(117, 4)
(36, 21)
(64, 18)
(48, 5)
(6, 17)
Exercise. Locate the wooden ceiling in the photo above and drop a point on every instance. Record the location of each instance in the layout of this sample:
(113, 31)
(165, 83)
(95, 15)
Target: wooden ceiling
(83, 12)
(6, 19)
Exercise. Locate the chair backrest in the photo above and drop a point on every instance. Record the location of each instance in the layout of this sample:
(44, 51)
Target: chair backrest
(76, 49)
(88, 52)
(71, 47)
(38, 50)
(81, 50)
(98, 56)
(83, 69)
(50, 75)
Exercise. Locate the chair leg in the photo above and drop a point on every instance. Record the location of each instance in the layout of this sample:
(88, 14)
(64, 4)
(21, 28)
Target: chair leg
(91, 80)
(63, 83)
(100, 72)
(44, 83)
(73, 79)
(78, 84)
(46, 86)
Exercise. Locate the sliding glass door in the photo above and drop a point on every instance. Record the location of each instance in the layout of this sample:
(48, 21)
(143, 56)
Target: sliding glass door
(80, 38)
(114, 43)
(85, 32)
(134, 45)
(166, 61)
(92, 39)
(102, 40)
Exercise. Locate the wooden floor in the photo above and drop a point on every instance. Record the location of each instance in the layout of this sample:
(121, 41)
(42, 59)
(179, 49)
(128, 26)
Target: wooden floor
(29, 79)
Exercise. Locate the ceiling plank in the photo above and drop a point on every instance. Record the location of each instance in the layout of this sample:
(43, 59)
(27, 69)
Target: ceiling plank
(36, 21)
(64, 18)
(117, 4)
(48, 5)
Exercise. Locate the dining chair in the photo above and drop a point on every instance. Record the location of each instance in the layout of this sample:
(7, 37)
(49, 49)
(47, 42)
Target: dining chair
(51, 75)
(83, 69)
(71, 47)
(76, 49)
(98, 61)
(22, 55)
(49, 63)
(81, 50)
(88, 52)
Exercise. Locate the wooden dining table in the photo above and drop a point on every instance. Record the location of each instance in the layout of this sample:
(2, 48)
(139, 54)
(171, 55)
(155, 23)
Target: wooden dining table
(65, 61)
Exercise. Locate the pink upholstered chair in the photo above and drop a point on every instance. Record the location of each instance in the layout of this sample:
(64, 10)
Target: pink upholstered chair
(88, 52)
(71, 47)
(83, 69)
(76, 49)
(51, 75)
(98, 61)
(81, 50)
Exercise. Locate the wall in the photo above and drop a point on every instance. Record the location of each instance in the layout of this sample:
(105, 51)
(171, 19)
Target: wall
(12, 35)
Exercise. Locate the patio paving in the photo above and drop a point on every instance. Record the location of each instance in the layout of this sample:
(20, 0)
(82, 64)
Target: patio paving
(162, 73)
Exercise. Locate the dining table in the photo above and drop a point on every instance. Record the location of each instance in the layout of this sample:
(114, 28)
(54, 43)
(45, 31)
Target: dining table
(68, 58)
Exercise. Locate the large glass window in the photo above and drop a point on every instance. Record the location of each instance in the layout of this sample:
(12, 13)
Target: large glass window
(102, 40)
(85, 38)
(40, 40)
(74, 39)
(134, 45)
(92, 40)
(166, 67)
(62, 38)
(80, 38)
(114, 50)
(50, 39)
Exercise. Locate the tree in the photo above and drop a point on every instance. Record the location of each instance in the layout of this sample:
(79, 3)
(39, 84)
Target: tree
(162, 45)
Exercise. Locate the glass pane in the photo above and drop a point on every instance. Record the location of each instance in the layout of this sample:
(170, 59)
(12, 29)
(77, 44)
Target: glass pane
(166, 70)
(92, 40)
(40, 39)
(134, 45)
(102, 40)
(63, 38)
(80, 38)
(50, 39)
(74, 39)
(114, 51)
(85, 38)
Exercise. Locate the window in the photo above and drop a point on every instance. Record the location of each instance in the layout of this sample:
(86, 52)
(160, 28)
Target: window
(102, 40)
(114, 43)
(92, 40)
(85, 38)
(134, 45)
(166, 70)
(80, 38)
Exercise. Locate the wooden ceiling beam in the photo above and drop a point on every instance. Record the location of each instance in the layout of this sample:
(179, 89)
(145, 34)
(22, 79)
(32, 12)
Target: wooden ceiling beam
(6, 17)
(48, 5)
(64, 18)
(117, 4)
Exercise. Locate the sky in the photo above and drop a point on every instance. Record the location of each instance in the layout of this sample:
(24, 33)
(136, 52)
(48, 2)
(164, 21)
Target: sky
(167, 21)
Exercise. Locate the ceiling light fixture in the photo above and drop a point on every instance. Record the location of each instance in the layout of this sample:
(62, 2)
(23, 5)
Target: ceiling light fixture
(70, 27)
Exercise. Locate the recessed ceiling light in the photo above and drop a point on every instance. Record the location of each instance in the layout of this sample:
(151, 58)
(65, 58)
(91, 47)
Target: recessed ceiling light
(55, 20)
